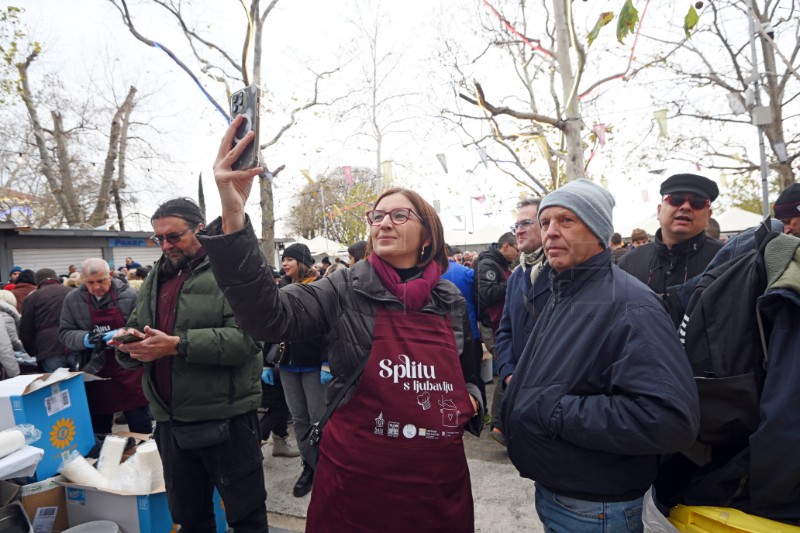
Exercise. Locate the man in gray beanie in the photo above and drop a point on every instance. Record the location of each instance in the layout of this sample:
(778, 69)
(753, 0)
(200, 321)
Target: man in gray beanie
(603, 388)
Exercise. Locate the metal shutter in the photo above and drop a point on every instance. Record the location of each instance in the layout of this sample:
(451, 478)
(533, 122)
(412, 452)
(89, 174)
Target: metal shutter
(58, 259)
(144, 255)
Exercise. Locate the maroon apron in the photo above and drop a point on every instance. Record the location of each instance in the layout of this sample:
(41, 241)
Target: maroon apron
(392, 458)
(122, 389)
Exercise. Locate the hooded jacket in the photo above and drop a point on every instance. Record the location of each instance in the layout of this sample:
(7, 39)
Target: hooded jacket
(342, 306)
(602, 388)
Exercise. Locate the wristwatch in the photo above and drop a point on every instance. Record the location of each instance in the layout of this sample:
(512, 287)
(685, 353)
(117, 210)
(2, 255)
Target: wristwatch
(182, 345)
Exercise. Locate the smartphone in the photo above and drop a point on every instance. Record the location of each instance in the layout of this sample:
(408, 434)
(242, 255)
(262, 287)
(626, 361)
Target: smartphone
(247, 102)
(128, 338)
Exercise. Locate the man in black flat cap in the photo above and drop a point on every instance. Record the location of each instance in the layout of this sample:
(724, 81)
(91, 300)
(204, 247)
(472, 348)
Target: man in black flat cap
(787, 209)
(680, 249)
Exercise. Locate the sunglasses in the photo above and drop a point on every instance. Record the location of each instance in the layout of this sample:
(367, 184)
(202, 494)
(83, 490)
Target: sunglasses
(678, 199)
(172, 238)
(523, 225)
(398, 216)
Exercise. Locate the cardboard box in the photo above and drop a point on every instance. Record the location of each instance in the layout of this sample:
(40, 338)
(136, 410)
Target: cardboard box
(133, 514)
(58, 409)
(45, 504)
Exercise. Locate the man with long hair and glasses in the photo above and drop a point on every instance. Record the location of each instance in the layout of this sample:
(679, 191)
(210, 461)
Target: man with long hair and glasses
(202, 375)
(680, 249)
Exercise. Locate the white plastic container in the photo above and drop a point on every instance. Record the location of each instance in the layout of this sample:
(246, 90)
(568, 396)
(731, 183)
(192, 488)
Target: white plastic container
(98, 526)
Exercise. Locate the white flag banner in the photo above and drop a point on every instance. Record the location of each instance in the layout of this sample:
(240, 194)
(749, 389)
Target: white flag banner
(442, 161)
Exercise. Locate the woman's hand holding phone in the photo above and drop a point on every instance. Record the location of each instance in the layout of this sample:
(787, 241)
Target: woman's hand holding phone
(233, 185)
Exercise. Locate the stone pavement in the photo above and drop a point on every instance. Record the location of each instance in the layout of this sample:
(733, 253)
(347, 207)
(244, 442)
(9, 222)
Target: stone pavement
(503, 500)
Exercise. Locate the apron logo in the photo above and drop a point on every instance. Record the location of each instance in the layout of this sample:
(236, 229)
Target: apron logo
(419, 375)
(379, 424)
(449, 413)
(409, 431)
(394, 429)
(424, 400)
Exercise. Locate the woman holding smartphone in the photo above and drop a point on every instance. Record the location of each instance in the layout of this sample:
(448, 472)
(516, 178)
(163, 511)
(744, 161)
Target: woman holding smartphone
(391, 457)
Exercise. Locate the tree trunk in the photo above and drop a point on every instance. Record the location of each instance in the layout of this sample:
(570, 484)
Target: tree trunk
(62, 154)
(71, 217)
(100, 213)
(572, 116)
(267, 219)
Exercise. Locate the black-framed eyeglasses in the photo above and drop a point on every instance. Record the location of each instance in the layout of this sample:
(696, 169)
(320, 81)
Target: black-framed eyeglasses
(398, 216)
(523, 224)
(678, 199)
(172, 238)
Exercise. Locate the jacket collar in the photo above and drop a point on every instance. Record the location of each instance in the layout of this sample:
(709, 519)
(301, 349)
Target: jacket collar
(690, 246)
(570, 281)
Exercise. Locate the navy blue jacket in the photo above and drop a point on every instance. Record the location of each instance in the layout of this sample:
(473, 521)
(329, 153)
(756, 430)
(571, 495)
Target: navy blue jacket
(602, 388)
(524, 303)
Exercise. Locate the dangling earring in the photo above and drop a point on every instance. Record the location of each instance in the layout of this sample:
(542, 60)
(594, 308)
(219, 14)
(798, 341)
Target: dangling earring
(422, 253)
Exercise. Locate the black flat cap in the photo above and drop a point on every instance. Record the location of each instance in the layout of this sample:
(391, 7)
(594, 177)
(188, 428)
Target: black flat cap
(690, 183)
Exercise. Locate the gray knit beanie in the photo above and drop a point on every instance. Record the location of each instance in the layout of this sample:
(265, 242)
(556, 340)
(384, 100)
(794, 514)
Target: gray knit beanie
(591, 202)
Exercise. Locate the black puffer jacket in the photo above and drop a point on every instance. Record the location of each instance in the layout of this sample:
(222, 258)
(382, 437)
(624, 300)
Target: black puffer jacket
(664, 270)
(342, 307)
(660, 267)
(491, 274)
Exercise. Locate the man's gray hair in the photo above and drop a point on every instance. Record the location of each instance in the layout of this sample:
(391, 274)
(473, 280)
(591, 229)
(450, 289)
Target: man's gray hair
(94, 265)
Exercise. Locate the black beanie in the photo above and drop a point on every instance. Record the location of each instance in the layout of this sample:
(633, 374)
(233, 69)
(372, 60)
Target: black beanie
(788, 203)
(26, 276)
(358, 250)
(300, 252)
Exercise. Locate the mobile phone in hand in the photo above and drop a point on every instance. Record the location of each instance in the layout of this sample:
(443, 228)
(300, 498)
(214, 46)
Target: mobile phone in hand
(247, 102)
(128, 338)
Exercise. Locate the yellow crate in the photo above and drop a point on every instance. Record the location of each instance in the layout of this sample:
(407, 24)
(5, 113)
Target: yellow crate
(695, 519)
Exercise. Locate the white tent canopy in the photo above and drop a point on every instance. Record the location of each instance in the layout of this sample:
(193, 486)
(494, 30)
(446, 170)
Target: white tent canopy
(481, 236)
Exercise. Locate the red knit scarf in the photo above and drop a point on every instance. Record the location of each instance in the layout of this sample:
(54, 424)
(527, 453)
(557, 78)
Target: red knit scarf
(414, 293)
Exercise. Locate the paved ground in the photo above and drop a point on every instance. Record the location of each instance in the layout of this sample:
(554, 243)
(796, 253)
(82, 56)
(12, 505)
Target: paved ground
(503, 500)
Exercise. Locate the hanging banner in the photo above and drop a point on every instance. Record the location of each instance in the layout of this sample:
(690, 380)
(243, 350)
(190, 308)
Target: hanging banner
(348, 175)
(600, 132)
(661, 120)
(386, 168)
(484, 158)
(442, 161)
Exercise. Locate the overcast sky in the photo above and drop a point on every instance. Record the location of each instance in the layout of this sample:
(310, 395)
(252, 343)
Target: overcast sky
(86, 40)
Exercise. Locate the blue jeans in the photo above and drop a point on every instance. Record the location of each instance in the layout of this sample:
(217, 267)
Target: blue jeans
(562, 514)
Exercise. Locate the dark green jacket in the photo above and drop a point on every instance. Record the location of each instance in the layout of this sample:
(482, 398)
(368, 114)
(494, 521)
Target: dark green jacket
(220, 375)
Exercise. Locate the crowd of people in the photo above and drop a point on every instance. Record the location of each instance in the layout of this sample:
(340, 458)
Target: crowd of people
(376, 360)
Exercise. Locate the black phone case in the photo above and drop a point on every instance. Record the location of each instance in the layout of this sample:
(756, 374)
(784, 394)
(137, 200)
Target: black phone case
(247, 102)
